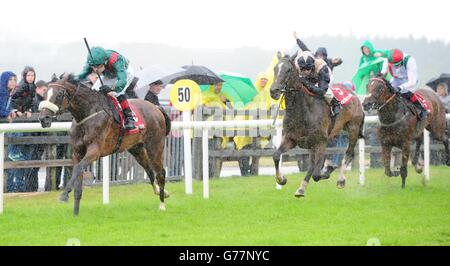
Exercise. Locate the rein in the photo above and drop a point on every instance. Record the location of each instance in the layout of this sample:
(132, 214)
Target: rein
(384, 105)
(66, 95)
(393, 123)
(390, 99)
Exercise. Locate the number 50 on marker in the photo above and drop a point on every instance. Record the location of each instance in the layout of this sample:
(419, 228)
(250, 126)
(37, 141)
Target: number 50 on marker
(185, 95)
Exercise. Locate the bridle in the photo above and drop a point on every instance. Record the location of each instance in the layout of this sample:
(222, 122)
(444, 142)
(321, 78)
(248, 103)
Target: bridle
(59, 101)
(385, 87)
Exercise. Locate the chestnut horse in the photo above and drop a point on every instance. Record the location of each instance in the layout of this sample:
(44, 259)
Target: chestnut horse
(94, 133)
(308, 124)
(399, 121)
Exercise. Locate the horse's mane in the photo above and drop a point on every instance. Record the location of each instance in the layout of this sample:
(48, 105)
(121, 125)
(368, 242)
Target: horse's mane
(388, 84)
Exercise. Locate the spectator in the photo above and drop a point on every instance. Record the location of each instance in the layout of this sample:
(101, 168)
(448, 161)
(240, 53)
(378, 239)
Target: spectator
(261, 101)
(22, 98)
(8, 83)
(21, 102)
(214, 98)
(369, 65)
(442, 91)
(31, 176)
(153, 92)
(437, 156)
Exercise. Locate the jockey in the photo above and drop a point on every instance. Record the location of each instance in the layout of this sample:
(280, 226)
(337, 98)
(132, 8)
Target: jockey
(403, 70)
(116, 74)
(315, 76)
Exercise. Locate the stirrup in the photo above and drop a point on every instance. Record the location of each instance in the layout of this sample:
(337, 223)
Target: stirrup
(130, 125)
(129, 122)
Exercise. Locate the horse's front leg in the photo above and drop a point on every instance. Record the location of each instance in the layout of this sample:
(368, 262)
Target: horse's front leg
(76, 158)
(317, 164)
(286, 144)
(300, 192)
(417, 160)
(406, 149)
(92, 154)
(386, 150)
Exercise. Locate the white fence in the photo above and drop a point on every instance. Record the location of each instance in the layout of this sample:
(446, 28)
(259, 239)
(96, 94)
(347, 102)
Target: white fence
(186, 125)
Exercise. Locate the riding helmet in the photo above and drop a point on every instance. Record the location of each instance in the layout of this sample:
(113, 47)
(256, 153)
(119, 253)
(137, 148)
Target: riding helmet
(99, 56)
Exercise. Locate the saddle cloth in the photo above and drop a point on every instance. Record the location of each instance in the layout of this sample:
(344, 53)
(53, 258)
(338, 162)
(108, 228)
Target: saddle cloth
(341, 94)
(119, 119)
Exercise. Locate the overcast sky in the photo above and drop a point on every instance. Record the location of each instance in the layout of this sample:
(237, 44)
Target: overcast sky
(266, 24)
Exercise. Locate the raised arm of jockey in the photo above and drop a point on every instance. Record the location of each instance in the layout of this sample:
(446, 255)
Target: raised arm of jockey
(300, 43)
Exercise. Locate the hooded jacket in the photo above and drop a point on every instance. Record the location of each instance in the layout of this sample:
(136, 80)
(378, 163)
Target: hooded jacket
(5, 103)
(367, 58)
(368, 65)
(22, 98)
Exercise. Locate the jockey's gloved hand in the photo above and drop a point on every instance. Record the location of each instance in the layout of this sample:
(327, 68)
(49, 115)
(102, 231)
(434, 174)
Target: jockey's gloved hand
(310, 86)
(105, 89)
(76, 79)
(396, 90)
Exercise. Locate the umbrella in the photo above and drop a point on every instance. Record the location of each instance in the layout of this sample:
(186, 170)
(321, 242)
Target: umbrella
(237, 88)
(200, 74)
(443, 78)
(151, 74)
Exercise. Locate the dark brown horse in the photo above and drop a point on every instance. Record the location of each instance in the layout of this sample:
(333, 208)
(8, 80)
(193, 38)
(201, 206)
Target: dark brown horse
(308, 124)
(399, 124)
(94, 133)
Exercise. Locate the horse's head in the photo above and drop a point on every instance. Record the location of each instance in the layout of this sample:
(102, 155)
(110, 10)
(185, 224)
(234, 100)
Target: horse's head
(379, 93)
(283, 73)
(57, 98)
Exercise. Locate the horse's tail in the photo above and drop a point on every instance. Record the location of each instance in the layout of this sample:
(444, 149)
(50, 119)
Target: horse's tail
(361, 128)
(167, 119)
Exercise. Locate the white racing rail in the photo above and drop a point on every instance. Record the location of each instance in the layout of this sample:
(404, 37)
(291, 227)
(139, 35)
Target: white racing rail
(186, 125)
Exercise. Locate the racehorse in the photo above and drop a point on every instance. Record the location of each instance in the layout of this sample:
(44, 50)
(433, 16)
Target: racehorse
(94, 133)
(399, 124)
(308, 124)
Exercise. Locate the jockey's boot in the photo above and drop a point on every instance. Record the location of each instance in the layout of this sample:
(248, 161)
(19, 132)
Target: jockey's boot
(422, 114)
(335, 107)
(128, 115)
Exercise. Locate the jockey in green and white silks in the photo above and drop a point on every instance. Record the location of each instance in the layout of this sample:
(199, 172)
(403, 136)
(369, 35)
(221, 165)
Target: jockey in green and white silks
(403, 69)
(116, 74)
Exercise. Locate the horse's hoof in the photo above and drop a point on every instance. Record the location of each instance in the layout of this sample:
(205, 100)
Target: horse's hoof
(316, 178)
(424, 181)
(395, 173)
(300, 193)
(419, 169)
(340, 183)
(329, 169)
(281, 182)
(64, 198)
(166, 194)
(162, 207)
